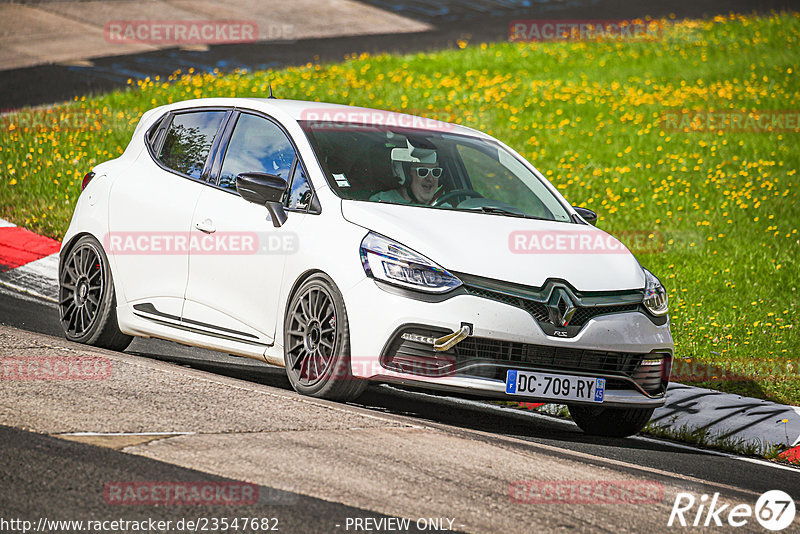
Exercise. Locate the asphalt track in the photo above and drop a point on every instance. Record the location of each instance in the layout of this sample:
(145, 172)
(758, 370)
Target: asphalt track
(56, 479)
(700, 471)
(36, 315)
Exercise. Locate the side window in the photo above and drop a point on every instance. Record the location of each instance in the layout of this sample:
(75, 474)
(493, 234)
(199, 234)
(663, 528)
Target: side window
(300, 192)
(189, 140)
(257, 145)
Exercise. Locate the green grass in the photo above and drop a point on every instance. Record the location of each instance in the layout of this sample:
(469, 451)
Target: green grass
(705, 438)
(721, 207)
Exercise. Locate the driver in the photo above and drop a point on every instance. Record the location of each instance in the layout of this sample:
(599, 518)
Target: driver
(421, 189)
(422, 186)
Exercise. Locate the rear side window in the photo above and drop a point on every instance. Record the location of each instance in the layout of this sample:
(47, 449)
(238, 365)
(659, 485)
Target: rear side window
(189, 140)
(257, 145)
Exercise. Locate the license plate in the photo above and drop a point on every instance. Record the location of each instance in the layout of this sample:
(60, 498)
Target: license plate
(560, 387)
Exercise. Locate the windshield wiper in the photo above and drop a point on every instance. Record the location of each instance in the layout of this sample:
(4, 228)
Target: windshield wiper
(504, 211)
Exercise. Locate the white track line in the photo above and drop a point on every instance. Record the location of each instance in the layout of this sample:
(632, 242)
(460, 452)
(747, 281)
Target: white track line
(38, 278)
(719, 453)
(541, 416)
(126, 434)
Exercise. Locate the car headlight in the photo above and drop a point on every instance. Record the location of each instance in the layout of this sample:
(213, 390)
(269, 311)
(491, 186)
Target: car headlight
(655, 296)
(393, 263)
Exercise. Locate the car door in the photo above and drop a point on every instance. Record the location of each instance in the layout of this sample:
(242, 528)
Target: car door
(153, 204)
(233, 292)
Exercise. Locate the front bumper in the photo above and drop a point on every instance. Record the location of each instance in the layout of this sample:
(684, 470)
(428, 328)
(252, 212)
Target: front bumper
(378, 315)
(496, 390)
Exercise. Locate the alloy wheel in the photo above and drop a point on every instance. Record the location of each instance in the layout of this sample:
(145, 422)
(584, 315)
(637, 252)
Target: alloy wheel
(311, 338)
(81, 290)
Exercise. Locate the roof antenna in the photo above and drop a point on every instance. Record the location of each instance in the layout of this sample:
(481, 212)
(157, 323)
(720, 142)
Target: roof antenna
(270, 91)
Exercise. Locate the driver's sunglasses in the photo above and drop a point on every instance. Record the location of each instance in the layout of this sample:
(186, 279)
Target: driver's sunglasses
(422, 172)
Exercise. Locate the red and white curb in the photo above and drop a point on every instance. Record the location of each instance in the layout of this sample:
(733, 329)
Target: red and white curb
(29, 263)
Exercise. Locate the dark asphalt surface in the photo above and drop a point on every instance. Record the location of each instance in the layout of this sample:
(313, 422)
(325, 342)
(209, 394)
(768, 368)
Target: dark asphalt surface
(37, 316)
(474, 20)
(55, 479)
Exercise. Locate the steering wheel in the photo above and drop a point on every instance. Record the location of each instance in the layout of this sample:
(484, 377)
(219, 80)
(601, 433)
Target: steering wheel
(466, 193)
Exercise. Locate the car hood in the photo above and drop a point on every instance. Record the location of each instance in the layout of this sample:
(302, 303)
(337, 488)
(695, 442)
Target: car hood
(522, 251)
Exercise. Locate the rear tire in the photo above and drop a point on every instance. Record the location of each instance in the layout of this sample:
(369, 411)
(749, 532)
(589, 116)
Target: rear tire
(316, 337)
(87, 304)
(610, 422)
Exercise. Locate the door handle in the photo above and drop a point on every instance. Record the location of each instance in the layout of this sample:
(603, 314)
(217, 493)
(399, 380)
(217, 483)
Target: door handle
(206, 226)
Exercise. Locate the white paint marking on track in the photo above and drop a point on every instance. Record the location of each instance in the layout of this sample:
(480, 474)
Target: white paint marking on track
(18, 293)
(127, 434)
(38, 278)
(540, 416)
(718, 453)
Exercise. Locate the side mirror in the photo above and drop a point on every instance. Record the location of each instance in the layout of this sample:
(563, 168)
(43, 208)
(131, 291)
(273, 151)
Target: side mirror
(588, 215)
(266, 190)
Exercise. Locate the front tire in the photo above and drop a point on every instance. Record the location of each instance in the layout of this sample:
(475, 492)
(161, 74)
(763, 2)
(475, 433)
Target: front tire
(316, 337)
(610, 422)
(87, 304)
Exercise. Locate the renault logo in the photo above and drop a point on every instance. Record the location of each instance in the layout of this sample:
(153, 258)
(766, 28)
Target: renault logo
(560, 307)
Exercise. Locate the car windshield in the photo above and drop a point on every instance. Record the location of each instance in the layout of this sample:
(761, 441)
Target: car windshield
(435, 168)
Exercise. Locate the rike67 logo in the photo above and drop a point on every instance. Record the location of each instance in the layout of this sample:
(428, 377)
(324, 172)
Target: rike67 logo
(774, 510)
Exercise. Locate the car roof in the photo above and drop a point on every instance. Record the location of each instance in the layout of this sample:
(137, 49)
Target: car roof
(303, 110)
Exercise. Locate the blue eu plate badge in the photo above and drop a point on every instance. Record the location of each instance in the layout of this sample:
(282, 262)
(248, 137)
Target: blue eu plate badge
(600, 389)
(511, 382)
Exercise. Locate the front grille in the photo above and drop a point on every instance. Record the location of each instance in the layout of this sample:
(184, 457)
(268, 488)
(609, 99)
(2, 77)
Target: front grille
(583, 314)
(538, 309)
(546, 357)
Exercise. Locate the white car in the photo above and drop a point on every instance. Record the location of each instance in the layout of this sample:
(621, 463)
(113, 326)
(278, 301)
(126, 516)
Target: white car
(353, 245)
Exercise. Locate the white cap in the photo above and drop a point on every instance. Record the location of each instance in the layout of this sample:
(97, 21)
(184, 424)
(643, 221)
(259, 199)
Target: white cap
(412, 154)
